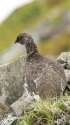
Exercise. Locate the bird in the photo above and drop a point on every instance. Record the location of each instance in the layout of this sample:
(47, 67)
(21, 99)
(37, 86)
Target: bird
(43, 76)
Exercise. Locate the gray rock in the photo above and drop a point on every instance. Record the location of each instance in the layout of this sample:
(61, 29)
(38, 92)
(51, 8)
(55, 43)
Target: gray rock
(25, 102)
(11, 83)
(9, 120)
(69, 61)
(22, 104)
(63, 59)
(67, 74)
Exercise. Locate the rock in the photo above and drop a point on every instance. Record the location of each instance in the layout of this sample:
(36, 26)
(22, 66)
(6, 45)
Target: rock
(22, 103)
(9, 120)
(11, 83)
(3, 108)
(25, 102)
(67, 74)
(3, 111)
(63, 120)
(69, 61)
(63, 59)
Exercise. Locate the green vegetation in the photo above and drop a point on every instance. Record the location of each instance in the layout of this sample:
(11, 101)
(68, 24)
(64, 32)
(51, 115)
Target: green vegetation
(22, 18)
(46, 112)
(56, 45)
(28, 16)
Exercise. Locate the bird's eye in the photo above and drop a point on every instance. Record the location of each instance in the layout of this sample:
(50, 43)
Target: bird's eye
(17, 39)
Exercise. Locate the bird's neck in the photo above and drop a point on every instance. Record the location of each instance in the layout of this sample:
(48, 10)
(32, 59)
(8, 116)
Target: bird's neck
(31, 48)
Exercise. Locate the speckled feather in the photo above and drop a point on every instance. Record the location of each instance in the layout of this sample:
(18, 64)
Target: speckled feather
(43, 76)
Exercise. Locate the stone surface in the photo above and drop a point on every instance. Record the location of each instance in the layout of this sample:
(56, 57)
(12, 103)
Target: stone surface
(9, 120)
(69, 61)
(23, 103)
(11, 83)
(67, 74)
(63, 59)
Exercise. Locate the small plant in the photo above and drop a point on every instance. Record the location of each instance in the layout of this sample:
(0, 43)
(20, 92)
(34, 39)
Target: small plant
(47, 112)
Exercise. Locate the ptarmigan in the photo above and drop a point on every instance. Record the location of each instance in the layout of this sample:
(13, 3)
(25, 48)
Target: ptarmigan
(44, 77)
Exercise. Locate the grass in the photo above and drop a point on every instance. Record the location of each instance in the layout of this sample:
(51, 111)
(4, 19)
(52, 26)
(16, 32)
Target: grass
(48, 112)
(56, 45)
(28, 16)
(21, 19)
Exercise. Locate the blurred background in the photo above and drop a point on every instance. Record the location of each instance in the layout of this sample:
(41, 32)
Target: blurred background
(48, 21)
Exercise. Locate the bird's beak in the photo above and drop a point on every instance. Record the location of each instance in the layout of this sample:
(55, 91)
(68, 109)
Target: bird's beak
(15, 41)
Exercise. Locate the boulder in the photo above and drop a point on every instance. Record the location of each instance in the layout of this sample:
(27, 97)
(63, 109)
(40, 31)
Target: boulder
(63, 59)
(22, 104)
(11, 83)
(9, 120)
(25, 102)
(69, 61)
(67, 74)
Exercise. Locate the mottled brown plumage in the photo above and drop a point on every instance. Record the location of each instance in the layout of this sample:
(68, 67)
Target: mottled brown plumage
(43, 76)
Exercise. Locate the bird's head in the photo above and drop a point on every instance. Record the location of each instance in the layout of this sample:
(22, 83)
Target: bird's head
(23, 38)
(27, 40)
